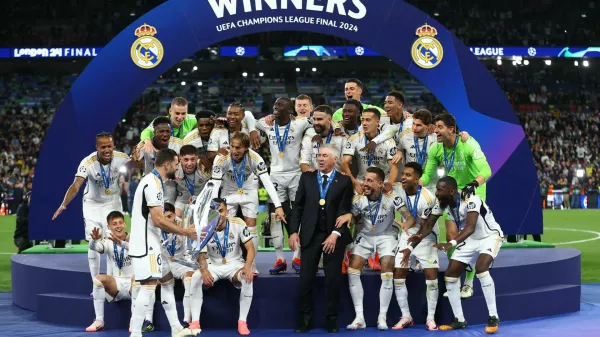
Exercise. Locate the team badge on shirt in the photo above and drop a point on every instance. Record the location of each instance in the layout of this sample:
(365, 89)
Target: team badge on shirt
(427, 51)
(471, 205)
(146, 52)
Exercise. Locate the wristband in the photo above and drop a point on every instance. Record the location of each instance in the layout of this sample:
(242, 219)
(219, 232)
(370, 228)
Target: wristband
(452, 242)
(410, 248)
(475, 183)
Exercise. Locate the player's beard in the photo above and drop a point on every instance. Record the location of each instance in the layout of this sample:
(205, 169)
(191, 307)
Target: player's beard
(171, 175)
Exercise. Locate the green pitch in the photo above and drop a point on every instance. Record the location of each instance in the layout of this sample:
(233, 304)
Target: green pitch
(577, 229)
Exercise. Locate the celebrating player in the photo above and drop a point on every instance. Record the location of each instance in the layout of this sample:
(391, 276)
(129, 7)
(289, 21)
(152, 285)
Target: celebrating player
(233, 171)
(465, 162)
(480, 236)
(381, 157)
(321, 126)
(201, 135)
(180, 124)
(237, 120)
(224, 255)
(353, 90)
(285, 141)
(377, 232)
(102, 192)
(162, 140)
(114, 287)
(303, 106)
(189, 179)
(145, 246)
(420, 201)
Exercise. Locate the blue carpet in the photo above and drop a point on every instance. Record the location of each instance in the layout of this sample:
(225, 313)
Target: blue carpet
(17, 322)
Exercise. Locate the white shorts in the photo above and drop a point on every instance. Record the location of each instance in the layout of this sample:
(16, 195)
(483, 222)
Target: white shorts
(424, 252)
(470, 248)
(226, 271)
(286, 185)
(247, 201)
(153, 266)
(94, 216)
(384, 244)
(179, 270)
(123, 289)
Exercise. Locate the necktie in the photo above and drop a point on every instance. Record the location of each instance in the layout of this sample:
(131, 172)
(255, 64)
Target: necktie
(324, 181)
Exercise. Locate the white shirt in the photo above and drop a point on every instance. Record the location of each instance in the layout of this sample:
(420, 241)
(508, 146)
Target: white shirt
(310, 149)
(239, 234)
(175, 144)
(384, 223)
(95, 191)
(486, 223)
(384, 152)
(291, 155)
(108, 247)
(425, 204)
(148, 194)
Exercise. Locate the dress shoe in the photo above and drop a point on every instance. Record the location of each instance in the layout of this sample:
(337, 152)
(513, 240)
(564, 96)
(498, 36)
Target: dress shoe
(332, 326)
(305, 325)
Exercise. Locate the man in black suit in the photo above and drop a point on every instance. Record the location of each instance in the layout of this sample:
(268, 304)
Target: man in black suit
(322, 197)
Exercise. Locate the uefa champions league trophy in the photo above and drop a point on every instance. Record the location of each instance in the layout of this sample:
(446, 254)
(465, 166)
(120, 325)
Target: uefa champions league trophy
(204, 216)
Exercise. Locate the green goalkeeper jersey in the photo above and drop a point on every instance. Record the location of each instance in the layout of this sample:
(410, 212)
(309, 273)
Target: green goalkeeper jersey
(188, 125)
(469, 163)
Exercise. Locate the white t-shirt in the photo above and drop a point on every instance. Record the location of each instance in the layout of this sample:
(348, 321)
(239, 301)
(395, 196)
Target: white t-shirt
(95, 190)
(486, 223)
(310, 149)
(148, 194)
(290, 163)
(384, 224)
(425, 204)
(108, 247)
(384, 152)
(239, 234)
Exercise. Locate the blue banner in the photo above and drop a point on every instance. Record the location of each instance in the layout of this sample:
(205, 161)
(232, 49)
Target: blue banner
(360, 51)
(239, 51)
(583, 202)
(562, 52)
(77, 52)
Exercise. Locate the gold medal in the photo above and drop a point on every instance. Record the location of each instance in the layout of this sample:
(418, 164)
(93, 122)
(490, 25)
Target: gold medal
(224, 260)
(322, 202)
(240, 191)
(372, 228)
(107, 191)
(119, 272)
(280, 154)
(172, 258)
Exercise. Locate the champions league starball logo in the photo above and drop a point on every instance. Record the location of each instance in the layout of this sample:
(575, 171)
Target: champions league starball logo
(147, 51)
(427, 51)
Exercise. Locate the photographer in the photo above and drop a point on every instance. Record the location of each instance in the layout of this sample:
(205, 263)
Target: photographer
(22, 230)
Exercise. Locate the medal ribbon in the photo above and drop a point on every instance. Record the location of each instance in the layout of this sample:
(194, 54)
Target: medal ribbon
(323, 190)
(377, 206)
(105, 176)
(421, 153)
(348, 132)
(448, 165)
(400, 128)
(328, 140)
(239, 176)
(372, 155)
(119, 258)
(412, 210)
(171, 247)
(281, 143)
(456, 213)
(223, 249)
(190, 185)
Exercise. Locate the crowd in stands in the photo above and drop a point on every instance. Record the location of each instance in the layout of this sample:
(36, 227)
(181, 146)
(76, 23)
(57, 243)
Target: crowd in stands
(509, 22)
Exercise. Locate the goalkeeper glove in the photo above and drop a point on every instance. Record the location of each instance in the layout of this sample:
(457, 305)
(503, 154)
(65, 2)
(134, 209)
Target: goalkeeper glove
(469, 189)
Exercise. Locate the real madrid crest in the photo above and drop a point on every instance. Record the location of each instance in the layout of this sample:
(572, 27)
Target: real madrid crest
(427, 51)
(147, 51)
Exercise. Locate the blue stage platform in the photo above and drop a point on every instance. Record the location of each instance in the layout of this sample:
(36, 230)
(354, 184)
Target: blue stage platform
(529, 283)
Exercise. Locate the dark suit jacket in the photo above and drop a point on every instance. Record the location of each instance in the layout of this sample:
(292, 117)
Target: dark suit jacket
(306, 207)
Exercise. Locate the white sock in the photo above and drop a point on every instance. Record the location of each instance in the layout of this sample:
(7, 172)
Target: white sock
(135, 290)
(297, 253)
(99, 298)
(187, 314)
(385, 293)
(453, 287)
(277, 237)
(245, 298)
(356, 291)
(141, 304)
(432, 297)
(94, 263)
(167, 299)
(489, 292)
(150, 308)
(402, 296)
(196, 295)
(254, 235)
